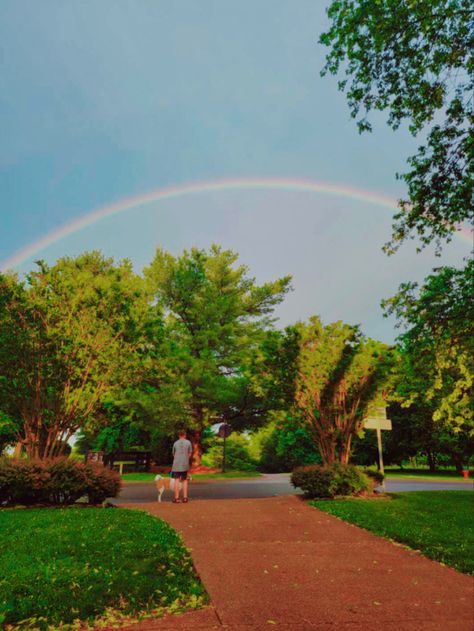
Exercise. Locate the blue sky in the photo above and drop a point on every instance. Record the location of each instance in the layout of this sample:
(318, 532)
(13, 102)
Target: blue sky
(105, 100)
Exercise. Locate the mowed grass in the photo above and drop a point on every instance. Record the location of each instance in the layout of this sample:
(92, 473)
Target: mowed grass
(438, 523)
(60, 565)
(422, 474)
(149, 477)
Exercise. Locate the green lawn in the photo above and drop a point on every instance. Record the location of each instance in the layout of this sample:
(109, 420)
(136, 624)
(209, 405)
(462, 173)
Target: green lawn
(147, 477)
(60, 565)
(424, 474)
(438, 523)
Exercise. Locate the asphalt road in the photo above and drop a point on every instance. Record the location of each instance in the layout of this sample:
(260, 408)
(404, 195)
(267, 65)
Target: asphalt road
(270, 485)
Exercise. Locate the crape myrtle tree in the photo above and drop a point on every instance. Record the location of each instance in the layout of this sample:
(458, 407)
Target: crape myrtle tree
(216, 317)
(414, 60)
(437, 346)
(340, 374)
(69, 334)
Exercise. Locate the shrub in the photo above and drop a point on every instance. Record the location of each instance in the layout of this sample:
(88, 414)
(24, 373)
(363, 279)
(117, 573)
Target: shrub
(101, 483)
(328, 481)
(60, 482)
(375, 475)
(237, 455)
(286, 446)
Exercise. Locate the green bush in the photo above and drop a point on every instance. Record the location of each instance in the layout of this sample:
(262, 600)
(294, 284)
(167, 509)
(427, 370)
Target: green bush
(59, 482)
(237, 455)
(287, 446)
(376, 475)
(329, 481)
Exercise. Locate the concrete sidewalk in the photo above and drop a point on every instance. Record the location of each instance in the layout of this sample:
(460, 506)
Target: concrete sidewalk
(277, 562)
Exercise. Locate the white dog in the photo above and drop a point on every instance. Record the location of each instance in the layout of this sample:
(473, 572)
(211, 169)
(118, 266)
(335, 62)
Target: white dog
(165, 482)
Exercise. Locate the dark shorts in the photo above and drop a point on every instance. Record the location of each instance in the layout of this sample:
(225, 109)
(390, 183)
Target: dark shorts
(179, 475)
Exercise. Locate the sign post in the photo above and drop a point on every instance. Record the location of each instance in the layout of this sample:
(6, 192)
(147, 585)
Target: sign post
(378, 420)
(225, 431)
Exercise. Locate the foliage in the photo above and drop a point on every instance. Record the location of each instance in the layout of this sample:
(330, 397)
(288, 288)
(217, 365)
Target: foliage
(284, 445)
(414, 60)
(8, 431)
(439, 523)
(340, 374)
(237, 455)
(438, 343)
(59, 482)
(61, 565)
(72, 333)
(435, 378)
(332, 480)
(215, 317)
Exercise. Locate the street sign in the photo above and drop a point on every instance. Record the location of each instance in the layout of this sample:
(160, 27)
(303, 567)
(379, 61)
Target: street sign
(378, 423)
(225, 430)
(377, 419)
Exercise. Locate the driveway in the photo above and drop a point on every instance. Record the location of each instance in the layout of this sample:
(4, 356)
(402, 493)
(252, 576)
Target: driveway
(269, 485)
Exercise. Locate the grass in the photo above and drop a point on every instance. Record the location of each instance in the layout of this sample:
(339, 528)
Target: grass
(425, 474)
(148, 477)
(438, 523)
(61, 565)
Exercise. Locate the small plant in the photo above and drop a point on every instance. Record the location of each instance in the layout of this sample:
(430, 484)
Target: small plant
(328, 481)
(61, 481)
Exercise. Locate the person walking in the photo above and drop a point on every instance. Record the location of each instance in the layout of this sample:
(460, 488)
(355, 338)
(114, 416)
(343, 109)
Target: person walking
(182, 451)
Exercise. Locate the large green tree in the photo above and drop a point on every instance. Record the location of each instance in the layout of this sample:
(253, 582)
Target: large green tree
(70, 334)
(415, 60)
(437, 346)
(216, 316)
(340, 374)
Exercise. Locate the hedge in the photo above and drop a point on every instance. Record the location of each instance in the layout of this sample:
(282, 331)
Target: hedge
(55, 482)
(337, 479)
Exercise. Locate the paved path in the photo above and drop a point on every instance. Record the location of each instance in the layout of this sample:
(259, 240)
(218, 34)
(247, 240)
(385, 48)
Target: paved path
(277, 562)
(269, 485)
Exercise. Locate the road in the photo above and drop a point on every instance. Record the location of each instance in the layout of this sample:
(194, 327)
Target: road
(269, 485)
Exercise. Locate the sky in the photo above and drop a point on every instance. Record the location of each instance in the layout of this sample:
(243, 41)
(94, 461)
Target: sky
(101, 101)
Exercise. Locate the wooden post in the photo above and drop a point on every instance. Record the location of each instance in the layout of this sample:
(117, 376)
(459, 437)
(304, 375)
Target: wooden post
(378, 420)
(379, 446)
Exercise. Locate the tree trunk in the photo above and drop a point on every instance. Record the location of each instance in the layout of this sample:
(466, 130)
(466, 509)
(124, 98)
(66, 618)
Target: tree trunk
(345, 449)
(431, 461)
(458, 462)
(195, 434)
(195, 437)
(327, 449)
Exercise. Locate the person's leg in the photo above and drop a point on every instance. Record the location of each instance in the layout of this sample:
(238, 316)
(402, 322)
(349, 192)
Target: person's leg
(185, 489)
(176, 489)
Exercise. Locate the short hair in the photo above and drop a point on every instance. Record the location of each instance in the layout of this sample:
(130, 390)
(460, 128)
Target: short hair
(182, 432)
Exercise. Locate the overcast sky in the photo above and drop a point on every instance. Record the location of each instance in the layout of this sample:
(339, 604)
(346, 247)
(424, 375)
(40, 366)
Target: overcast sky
(105, 100)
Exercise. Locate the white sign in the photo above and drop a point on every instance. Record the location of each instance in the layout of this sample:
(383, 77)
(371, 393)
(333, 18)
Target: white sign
(378, 423)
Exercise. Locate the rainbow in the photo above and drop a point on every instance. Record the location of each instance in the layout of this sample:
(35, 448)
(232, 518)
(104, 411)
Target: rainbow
(193, 188)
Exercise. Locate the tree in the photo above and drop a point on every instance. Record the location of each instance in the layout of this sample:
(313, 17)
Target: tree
(438, 343)
(414, 60)
(437, 346)
(340, 373)
(68, 335)
(216, 316)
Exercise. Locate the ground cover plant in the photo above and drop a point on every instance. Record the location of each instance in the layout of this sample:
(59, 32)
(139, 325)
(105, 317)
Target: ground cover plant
(438, 523)
(60, 565)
